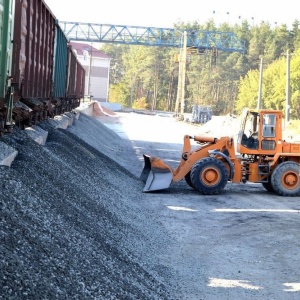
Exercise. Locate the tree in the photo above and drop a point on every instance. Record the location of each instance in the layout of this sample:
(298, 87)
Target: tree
(226, 81)
(274, 82)
(295, 85)
(248, 91)
(119, 93)
(295, 36)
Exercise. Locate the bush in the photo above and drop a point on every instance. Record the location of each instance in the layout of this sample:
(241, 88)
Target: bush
(140, 103)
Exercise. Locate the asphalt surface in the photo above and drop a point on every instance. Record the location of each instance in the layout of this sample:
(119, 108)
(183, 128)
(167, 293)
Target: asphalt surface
(241, 244)
(75, 223)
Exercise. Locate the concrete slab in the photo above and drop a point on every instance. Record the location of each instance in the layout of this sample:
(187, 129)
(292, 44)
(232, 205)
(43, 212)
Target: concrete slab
(37, 134)
(7, 154)
(86, 108)
(63, 121)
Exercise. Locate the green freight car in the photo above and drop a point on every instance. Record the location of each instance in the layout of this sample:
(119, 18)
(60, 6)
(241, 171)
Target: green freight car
(68, 75)
(7, 8)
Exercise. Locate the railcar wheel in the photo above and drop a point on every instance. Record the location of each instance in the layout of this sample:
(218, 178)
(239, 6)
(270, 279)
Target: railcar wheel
(286, 179)
(209, 176)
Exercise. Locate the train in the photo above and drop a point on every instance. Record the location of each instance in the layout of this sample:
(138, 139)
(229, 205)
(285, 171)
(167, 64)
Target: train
(40, 75)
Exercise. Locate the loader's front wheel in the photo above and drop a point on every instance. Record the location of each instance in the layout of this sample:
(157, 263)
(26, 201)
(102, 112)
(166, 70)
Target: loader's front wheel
(188, 179)
(268, 185)
(209, 176)
(286, 179)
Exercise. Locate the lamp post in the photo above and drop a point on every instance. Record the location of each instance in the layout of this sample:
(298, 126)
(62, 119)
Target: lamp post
(181, 77)
(288, 88)
(90, 71)
(260, 84)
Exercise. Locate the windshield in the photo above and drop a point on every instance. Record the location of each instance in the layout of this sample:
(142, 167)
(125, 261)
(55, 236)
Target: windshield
(242, 126)
(249, 133)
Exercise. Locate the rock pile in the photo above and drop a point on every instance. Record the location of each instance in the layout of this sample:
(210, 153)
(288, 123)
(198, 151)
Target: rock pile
(71, 224)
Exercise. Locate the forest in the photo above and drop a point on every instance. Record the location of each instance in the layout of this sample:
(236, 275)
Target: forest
(146, 77)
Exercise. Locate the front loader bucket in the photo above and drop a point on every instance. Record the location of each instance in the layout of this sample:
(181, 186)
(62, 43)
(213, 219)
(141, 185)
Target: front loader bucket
(156, 174)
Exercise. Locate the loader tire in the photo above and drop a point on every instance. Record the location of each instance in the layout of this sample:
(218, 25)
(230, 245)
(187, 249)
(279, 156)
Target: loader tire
(268, 185)
(209, 176)
(286, 179)
(188, 180)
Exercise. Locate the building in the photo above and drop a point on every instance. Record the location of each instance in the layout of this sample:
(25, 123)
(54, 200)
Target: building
(97, 65)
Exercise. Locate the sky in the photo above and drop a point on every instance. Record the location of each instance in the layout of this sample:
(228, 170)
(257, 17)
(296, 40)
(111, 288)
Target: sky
(166, 13)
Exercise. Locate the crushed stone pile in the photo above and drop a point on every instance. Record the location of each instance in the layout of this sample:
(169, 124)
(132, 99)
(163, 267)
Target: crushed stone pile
(71, 224)
(229, 125)
(220, 126)
(99, 110)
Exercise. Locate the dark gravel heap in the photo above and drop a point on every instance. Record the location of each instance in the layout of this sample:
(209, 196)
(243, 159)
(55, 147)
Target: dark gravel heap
(72, 226)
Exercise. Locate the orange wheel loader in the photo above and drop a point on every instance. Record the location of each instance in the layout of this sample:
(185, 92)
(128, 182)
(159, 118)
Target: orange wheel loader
(260, 156)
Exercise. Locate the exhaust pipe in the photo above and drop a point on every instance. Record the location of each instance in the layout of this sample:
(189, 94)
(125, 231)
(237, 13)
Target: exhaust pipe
(156, 174)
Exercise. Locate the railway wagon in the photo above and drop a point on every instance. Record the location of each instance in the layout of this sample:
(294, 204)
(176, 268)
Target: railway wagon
(7, 10)
(76, 77)
(43, 70)
(32, 63)
(60, 66)
(66, 76)
(80, 82)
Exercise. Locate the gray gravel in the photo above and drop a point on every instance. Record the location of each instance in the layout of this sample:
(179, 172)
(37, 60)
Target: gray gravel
(72, 226)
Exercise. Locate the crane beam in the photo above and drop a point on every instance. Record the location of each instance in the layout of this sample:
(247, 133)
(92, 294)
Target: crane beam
(152, 36)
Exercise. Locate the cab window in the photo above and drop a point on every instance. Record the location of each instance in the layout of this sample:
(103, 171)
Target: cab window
(269, 122)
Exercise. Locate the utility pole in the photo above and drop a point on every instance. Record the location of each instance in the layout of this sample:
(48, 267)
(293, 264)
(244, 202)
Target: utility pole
(288, 89)
(181, 77)
(90, 71)
(260, 84)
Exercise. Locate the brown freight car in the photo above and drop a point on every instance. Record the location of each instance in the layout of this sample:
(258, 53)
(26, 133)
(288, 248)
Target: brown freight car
(80, 82)
(32, 62)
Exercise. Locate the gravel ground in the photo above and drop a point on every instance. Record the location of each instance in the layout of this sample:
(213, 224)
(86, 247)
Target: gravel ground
(72, 226)
(76, 225)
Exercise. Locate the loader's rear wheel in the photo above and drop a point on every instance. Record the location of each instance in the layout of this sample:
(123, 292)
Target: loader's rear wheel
(286, 179)
(188, 179)
(209, 176)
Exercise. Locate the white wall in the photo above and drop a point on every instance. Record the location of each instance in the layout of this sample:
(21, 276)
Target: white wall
(96, 82)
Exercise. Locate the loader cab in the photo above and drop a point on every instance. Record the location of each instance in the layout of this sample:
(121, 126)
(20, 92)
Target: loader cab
(250, 130)
(260, 132)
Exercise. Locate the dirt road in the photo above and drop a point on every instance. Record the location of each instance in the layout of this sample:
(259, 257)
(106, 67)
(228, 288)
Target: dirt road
(241, 244)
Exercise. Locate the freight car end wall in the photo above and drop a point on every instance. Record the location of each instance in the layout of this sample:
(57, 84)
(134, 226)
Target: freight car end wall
(80, 81)
(7, 10)
(7, 17)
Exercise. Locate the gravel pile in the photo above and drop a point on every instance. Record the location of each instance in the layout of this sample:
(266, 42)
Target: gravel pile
(71, 224)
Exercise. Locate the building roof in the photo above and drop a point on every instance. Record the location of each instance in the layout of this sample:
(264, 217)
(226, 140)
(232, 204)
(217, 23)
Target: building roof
(81, 47)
